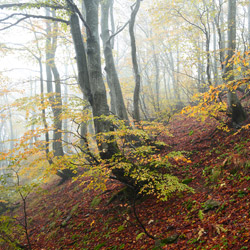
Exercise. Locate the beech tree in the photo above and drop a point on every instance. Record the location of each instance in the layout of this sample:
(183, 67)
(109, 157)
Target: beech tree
(90, 77)
(55, 96)
(235, 108)
(112, 76)
(136, 111)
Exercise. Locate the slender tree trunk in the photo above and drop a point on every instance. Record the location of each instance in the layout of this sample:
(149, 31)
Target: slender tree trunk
(166, 83)
(215, 66)
(199, 87)
(57, 106)
(179, 103)
(248, 19)
(208, 58)
(10, 123)
(55, 97)
(136, 112)
(157, 80)
(65, 101)
(221, 35)
(113, 80)
(45, 124)
(174, 76)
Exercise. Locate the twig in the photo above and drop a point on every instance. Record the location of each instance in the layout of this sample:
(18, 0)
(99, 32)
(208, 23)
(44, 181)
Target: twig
(138, 220)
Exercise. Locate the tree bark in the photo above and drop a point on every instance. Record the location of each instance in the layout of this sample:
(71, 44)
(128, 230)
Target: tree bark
(55, 97)
(112, 76)
(99, 105)
(136, 112)
(248, 21)
(234, 106)
(43, 112)
(10, 123)
(81, 59)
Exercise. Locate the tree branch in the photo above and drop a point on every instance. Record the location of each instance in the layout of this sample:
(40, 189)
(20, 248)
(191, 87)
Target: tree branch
(26, 16)
(185, 19)
(75, 9)
(32, 5)
(118, 31)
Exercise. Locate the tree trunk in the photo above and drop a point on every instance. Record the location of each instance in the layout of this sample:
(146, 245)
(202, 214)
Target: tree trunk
(112, 76)
(248, 19)
(208, 58)
(10, 122)
(215, 66)
(81, 60)
(234, 106)
(65, 101)
(55, 97)
(44, 113)
(90, 73)
(91, 82)
(136, 112)
(157, 79)
(221, 36)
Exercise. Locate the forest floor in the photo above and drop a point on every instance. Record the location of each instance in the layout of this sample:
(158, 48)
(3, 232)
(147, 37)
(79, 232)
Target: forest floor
(65, 217)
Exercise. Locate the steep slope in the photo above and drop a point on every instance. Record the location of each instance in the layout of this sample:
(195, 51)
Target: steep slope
(215, 216)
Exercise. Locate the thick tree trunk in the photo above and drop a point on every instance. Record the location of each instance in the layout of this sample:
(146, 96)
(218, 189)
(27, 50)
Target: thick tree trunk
(81, 59)
(234, 106)
(111, 12)
(100, 104)
(91, 82)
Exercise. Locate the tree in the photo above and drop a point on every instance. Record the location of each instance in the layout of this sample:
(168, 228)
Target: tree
(55, 97)
(234, 106)
(136, 112)
(112, 76)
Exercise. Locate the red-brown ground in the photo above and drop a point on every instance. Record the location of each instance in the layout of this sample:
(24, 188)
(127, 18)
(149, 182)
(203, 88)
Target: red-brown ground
(220, 170)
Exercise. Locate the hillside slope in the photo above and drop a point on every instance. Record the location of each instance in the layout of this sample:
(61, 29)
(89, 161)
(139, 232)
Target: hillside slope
(215, 216)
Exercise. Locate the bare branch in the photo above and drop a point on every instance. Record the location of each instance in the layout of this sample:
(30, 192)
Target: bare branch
(118, 31)
(185, 19)
(26, 16)
(32, 5)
